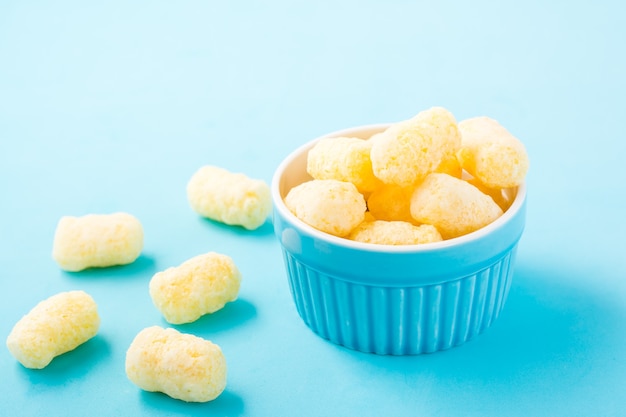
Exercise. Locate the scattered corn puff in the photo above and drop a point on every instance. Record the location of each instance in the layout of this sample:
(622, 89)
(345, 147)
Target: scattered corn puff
(230, 198)
(199, 286)
(53, 327)
(453, 206)
(332, 206)
(183, 366)
(394, 233)
(343, 159)
(491, 154)
(391, 202)
(97, 240)
(410, 150)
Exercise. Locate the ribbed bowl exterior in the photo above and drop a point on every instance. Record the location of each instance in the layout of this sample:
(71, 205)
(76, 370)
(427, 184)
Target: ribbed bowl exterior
(399, 320)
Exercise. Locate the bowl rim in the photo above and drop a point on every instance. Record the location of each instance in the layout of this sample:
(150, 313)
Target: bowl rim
(279, 205)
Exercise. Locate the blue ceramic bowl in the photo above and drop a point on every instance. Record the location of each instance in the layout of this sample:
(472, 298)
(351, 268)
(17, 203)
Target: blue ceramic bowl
(398, 300)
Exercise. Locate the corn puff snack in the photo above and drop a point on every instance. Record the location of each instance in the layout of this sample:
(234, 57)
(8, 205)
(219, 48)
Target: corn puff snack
(394, 233)
(183, 366)
(391, 202)
(55, 326)
(230, 198)
(491, 154)
(97, 240)
(453, 206)
(343, 159)
(410, 150)
(332, 206)
(199, 286)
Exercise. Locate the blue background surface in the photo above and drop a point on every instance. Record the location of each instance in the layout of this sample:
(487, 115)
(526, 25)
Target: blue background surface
(112, 106)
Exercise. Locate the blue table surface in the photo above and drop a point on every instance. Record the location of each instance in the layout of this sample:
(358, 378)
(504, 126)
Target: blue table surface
(111, 106)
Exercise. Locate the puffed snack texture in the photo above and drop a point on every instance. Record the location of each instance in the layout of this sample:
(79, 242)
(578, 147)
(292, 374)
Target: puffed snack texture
(332, 206)
(452, 205)
(230, 198)
(384, 232)
(491, 154)
(97, 241)
(54, 326)
(182, 366)
(391, 202)
(501, 196)
(343, 159)
(410, 150)
(199, 286)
